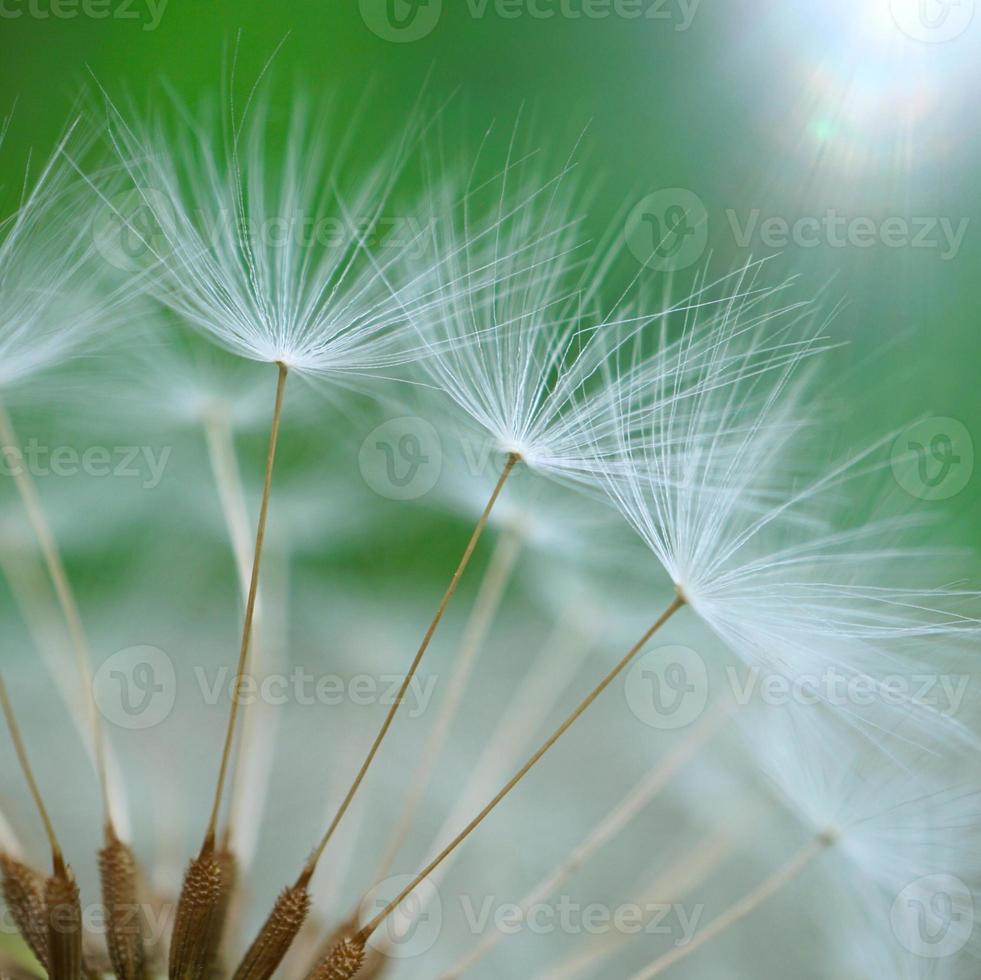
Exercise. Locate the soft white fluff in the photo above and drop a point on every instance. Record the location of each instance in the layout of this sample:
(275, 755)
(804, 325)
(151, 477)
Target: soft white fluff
(762, 548)
(54, 294)
(270, 251)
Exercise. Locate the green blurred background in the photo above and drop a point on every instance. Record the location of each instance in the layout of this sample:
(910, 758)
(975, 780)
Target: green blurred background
(761, 110)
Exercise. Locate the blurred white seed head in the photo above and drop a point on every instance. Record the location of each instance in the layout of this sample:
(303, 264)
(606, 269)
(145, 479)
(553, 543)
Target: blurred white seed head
(56, 298)
(903, 823)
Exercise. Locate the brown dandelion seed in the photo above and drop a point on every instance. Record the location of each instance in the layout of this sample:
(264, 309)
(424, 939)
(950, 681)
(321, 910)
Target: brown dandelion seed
(62, 906)
(23, 891)
(342, 962)
(197, 924)
(228, 863)
(375, 961)
(277, 934)
(119, 874)
(64, 917)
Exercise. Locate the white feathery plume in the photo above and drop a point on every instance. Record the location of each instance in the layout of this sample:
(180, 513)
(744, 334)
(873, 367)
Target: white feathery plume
(266, 252)
(226, 252)
(534, 366)
(55, 298)
(896, 813)
(760, 553)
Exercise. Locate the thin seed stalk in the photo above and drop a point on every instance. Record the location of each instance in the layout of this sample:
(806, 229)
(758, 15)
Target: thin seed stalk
(371, 926)
(210, 877)
(243, 655)
(512, 461)
(66, 600)
(748, 904)
(62, 906)
(486, 605)
(611, 826)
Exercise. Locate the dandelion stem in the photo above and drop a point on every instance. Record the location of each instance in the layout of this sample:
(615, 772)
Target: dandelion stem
(231, 495)
(629, 807)
(249, 606)
(688, 872)
(748, 904)
(570, 642)
(371, 926)
(25, 765)
(478, 530)
(227, 476)
(66, 599)
(488, 601)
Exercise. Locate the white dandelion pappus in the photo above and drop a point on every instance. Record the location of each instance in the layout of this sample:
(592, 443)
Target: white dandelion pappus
(535, 366)
(885, 829)
(265, 252)
(55, 299)
(699, 363)
(758, 551)
(904, 824)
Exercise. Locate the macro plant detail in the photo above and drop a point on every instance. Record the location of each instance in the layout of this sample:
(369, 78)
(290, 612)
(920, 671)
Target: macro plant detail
(649, 465)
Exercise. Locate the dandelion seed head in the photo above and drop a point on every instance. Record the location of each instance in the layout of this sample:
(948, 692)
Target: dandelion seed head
(56, 299)
(758, 546)
(265, 250)
(901, 819)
